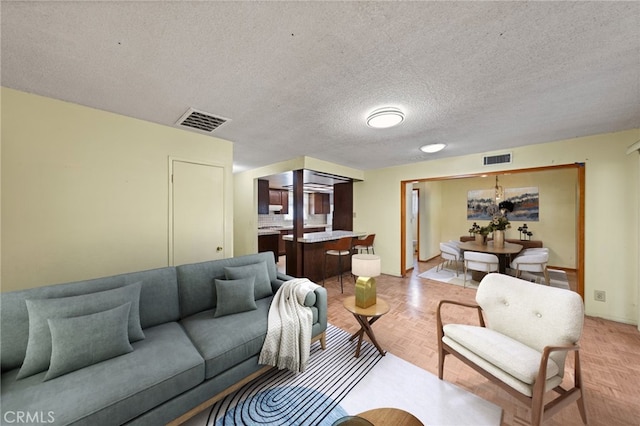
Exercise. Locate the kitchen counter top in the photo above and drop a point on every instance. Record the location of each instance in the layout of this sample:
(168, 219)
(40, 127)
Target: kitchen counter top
(318, 237)
(268, 231)
(290, 227)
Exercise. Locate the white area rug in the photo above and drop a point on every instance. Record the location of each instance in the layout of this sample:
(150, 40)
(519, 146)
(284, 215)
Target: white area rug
(557, 277)
(396, 383)
(448, 275)
(337, 384)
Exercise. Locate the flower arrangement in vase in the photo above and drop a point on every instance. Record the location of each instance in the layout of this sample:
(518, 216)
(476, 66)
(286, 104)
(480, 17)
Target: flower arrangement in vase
(498, 225)
(480, 232)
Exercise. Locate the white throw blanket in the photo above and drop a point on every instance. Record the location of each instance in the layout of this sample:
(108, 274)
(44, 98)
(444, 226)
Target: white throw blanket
(288, 340)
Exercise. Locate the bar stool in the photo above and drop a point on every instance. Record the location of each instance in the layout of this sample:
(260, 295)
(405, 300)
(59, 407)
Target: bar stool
(365, 243)
(340, 248)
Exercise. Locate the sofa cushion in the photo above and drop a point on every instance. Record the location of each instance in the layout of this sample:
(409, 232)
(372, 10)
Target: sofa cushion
(158, 305)
(511, 356)
(162, 366)
(262, 285)
(40, 310)
(196, 285)
(228, 340)
(85, 340)
(235, 296)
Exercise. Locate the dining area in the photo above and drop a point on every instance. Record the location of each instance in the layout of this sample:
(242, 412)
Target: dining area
(486, 250)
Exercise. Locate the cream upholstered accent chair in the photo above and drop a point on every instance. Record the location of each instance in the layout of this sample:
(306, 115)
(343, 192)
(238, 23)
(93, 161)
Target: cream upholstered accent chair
(532, 260)
(483, 262)
(524, 334)
(449, 252)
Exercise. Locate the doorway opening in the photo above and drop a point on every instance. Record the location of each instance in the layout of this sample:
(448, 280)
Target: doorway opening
(579, 207)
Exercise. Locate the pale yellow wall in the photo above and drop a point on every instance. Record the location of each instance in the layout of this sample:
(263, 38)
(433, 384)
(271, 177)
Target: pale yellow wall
(246, 196)
(432, 219)
(634, 152)
(611, 230)
(85, 192)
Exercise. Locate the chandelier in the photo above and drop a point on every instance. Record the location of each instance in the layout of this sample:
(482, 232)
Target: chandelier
(499, 192)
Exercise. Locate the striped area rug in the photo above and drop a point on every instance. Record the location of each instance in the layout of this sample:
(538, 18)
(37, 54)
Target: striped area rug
(281, 397)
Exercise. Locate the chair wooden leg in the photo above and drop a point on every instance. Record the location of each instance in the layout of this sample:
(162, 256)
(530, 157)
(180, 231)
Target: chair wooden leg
(537, 407)
(464, 283)
(546, 276)
(441, 356)
(582, 406)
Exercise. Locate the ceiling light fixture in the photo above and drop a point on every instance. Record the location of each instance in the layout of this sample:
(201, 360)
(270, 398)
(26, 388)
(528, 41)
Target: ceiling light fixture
(499, 191)
(385, 117)
(431, 148)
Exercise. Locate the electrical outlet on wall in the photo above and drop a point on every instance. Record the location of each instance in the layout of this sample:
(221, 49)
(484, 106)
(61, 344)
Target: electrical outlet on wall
(600, 295)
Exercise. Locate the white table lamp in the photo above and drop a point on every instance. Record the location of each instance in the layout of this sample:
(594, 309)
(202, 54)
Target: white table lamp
(366, 267)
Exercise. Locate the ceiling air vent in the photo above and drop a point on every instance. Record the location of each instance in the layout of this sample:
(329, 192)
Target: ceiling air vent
(201, 121)
(489, 160)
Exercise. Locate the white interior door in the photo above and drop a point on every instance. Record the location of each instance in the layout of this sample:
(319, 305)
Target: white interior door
(197, 212)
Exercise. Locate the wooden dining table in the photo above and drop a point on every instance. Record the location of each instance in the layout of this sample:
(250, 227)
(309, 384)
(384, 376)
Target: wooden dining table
(504, 253)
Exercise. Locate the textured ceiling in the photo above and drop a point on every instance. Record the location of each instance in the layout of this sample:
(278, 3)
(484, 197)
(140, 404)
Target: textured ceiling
(299, 78)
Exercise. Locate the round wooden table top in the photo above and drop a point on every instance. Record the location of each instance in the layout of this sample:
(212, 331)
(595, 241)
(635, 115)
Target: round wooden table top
(380, 308)
(509, 248)
(391, 417)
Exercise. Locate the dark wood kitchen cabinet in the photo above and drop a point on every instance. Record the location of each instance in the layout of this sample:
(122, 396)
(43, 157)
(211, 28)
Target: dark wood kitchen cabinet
(263, 196)
(269, 242)
(279, 197)
(343, 206)
(321, 203)
(281, 244)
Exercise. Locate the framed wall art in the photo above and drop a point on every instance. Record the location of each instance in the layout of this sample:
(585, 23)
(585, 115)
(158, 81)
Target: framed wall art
(481, 204)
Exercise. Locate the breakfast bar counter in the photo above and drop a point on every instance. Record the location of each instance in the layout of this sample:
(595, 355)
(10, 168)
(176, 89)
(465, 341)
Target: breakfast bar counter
(312, 250)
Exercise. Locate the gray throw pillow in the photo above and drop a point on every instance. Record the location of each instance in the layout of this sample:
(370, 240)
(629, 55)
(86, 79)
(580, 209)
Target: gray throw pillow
(259, 271)
(39, 342)
(235, 296)
(86, 340)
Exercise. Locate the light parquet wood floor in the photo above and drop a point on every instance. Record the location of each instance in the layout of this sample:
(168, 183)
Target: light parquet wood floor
(610, 352)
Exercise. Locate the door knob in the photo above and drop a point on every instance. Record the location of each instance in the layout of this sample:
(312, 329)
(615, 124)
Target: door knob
(218, 248)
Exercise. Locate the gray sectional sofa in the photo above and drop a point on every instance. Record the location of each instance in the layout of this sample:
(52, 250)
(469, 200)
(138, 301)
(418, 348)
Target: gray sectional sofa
(190, 352)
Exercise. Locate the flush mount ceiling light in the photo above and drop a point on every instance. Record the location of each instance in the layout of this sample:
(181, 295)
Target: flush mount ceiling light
(385, 117)
(431, 148)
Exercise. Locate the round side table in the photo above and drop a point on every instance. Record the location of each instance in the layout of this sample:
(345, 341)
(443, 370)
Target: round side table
(366, 317)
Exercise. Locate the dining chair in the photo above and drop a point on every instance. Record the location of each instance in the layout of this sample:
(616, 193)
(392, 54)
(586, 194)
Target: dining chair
(483, 262)
(449, 252)
(340, 248)
(532, 261)
(365, 243)
(524, 333)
